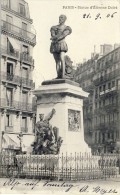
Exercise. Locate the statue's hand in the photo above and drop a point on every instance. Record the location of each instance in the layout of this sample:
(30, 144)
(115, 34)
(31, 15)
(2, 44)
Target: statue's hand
(53, 111)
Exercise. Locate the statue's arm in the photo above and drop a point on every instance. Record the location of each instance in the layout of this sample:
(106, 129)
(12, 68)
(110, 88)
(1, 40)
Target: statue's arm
(53, 35)
(66, 32)
(51, 115)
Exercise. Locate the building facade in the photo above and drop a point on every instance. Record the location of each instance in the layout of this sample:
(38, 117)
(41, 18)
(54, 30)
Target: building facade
(17, 42)
(100, 76)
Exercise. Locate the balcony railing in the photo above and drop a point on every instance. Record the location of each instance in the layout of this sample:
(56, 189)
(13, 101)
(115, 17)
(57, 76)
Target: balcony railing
(17, 80)
(27, 82)
(111, 90)
(17, 105)
(26, 106)
(9, 128)
(10, 77)
(26, 58)
(111, 126)
(107, 77)
(7, 52)
(9, 104)
(24, 129)
(20, 32)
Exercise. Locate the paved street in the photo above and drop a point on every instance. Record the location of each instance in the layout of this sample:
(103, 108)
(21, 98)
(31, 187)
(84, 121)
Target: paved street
(28, 186)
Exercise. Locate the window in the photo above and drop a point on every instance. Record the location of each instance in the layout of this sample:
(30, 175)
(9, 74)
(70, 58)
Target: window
(22, 9)
(25, 72)
(109, 85)
(113, 83)
(100, 104)
(116, 56)
(6, 3)
(8, 120)
(95, 137)
(24, 124)
(103, 102)
(24, 29)
(25, 49)
(25, 52)
(104, 87)
(9, 96)
(103, 137)
(9, 71)
(9, 20)
(24, 97)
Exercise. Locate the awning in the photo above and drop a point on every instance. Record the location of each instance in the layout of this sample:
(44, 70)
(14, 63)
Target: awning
(14, 43)
(10, 141)
(27, 141)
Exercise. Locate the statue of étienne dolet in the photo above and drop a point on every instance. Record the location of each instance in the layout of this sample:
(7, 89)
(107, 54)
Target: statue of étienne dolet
(59, 47)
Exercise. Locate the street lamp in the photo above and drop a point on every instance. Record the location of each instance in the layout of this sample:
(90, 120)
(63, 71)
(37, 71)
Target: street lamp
(20, 136)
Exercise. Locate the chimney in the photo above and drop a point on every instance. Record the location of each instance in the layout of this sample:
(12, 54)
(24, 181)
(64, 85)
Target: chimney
(101, 50)
(104, 49)
(116, 45)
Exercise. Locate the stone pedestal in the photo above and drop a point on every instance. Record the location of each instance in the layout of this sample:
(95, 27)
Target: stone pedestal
(66, 97)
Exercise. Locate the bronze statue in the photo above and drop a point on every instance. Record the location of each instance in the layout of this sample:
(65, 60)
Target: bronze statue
(58, 45)
(47, 140)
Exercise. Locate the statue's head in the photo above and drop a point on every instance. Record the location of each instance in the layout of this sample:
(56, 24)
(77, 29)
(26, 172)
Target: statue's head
(41, 116)
(62, 19)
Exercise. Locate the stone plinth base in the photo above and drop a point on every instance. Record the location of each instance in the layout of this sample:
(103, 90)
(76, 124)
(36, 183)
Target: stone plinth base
(66, 97)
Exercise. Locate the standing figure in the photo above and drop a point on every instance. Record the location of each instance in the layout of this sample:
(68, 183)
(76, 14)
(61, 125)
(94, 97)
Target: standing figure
(58, 45)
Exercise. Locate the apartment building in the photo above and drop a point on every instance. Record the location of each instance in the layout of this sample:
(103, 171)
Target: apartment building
(17, 42)
(100, 76)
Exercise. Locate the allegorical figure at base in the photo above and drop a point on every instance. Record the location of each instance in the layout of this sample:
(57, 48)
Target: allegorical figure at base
(59, 47)
(47, 140)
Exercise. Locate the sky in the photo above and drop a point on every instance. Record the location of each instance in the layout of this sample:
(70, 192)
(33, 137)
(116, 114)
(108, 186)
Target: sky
(86, 32)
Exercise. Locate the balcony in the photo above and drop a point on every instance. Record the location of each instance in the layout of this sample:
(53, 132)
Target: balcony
(10, 78)
(27, 83)
(9, 104)
(8, 53)
(88, 116)
(18, 32)
(108, 126)
(109, 91)
(8, 7)
(25, 58)
(111, 108)
(26, 106)
(107, 77)
(9, 129)
(15, 105)
(24, 129)
(89, 88)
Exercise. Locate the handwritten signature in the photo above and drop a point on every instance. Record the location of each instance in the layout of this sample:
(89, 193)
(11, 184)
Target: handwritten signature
(13, 183)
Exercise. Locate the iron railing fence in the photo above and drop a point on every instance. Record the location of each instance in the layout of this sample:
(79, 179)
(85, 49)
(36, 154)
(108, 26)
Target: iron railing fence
(60, 167)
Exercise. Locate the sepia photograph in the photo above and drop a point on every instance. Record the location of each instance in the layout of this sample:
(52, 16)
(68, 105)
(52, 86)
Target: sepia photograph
(60, 97)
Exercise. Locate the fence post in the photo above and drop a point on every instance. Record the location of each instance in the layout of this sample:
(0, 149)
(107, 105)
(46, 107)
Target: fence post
(119, 160)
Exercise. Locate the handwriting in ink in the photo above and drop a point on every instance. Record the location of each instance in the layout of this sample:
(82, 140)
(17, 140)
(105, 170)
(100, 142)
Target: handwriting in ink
(99, 16)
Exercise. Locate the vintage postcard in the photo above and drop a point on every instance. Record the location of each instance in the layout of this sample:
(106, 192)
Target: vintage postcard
(60, 97)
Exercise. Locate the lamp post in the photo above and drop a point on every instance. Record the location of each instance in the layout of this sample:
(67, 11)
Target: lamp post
(20, 136)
